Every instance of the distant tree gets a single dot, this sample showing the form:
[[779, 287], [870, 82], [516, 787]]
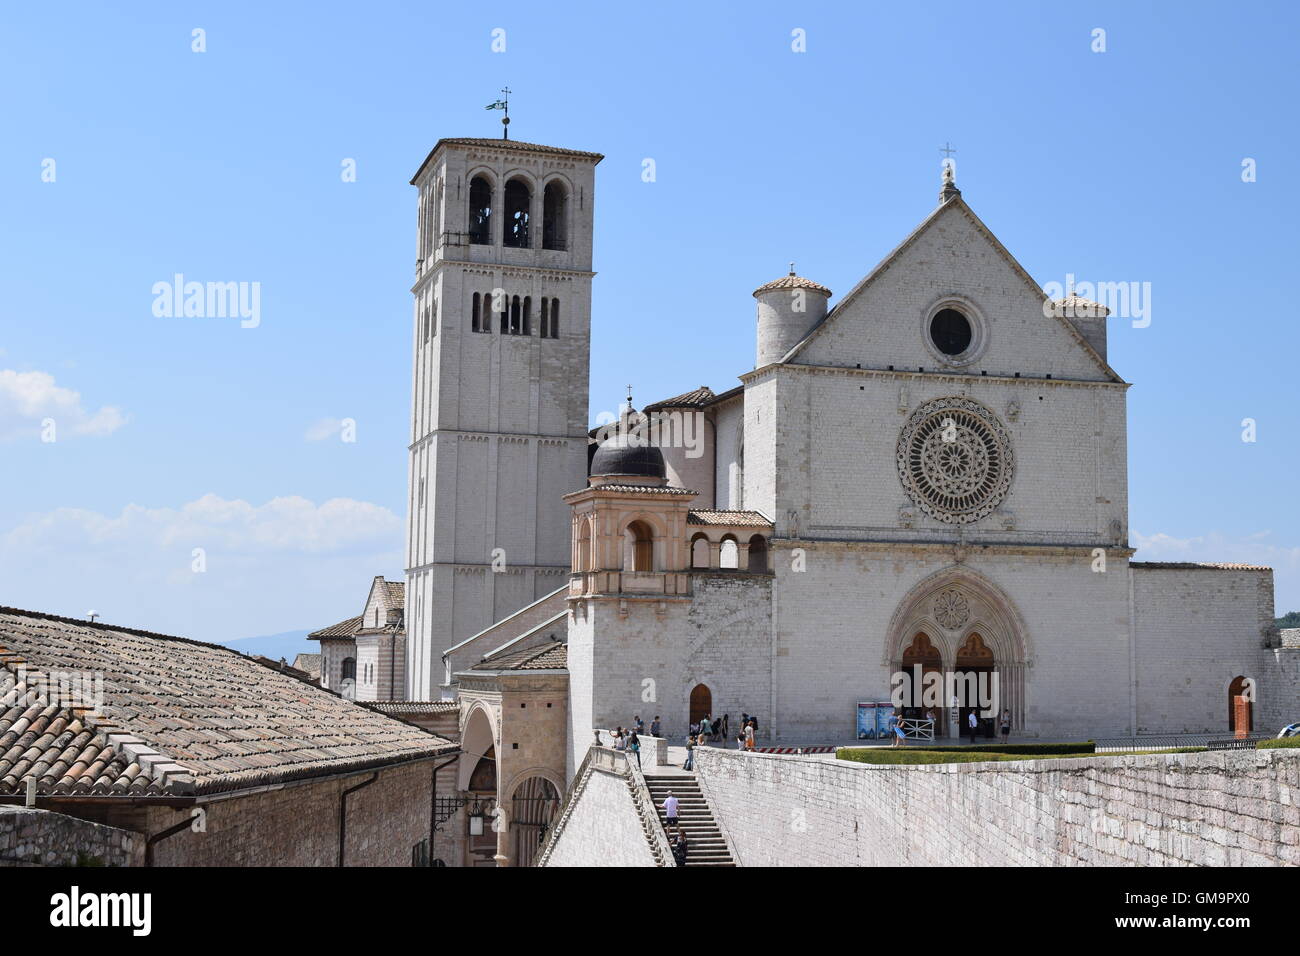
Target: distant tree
[[1291, 619]]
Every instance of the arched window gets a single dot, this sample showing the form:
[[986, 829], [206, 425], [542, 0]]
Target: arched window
[[476, 323], [349, 668], [758, 553], [515, 315], [638, 547], [480, 211], [699, 551], [553, 326], [555, 202], [528, 315], [582, 560], [518, 199], [730, 553]]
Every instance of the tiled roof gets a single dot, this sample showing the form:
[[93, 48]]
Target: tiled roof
[[171, 716], [311, 663], [398, 707], [512, 145], [281, 665], [1073, 306], [748, 519], [645, 489], [547, 657], [792, 281], [694, 399], [396, 593], [342, 629], [1195, 565]]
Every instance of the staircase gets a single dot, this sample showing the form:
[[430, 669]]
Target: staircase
[[705, 845]]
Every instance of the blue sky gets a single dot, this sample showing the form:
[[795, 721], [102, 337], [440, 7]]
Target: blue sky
[[225, 165]]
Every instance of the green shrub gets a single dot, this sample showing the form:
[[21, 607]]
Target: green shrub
[[912, 755], [1278, 742], [1086, 747]]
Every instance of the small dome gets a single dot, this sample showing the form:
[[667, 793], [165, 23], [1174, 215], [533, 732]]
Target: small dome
[[792, 281], [615, 456]]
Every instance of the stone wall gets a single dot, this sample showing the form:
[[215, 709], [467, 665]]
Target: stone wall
[[34, 837], [1195, 629], [600, 825], [1226, 808], [644, 658], [299, 825]]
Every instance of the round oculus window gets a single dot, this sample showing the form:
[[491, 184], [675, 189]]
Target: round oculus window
[[955, 460], [950, 331]]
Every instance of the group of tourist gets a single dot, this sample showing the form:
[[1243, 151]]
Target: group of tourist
[[628, 740], [709, 729], [971, 729]]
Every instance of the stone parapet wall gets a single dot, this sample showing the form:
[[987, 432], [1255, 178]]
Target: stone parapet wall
[[1225, 808]]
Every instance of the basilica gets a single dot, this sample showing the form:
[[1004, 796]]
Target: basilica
[[925, 474]]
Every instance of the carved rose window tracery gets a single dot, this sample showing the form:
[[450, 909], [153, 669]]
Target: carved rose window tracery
[[955, 460], [951, 609]]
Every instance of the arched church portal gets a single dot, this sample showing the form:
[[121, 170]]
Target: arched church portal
[[701, 703], [961, 623], [533, 809]]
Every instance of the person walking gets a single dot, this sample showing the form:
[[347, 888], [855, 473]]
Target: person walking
[[726, 728], [749, 736], [670, 813], [972, 723], [896, 725], [634, 746], [679, 849], [1005, 728], [690, 754], [638, 724], [656, 729]]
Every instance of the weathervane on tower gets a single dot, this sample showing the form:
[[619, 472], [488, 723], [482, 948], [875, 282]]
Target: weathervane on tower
[[503, 104]]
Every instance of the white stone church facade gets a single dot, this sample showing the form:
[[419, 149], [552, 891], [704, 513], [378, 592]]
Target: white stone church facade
[[931, 474]]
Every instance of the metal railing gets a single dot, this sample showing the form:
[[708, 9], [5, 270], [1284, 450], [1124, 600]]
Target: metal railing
[[1175, 741], [918, 729]]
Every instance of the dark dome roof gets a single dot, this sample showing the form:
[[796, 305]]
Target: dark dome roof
[[615, 456]]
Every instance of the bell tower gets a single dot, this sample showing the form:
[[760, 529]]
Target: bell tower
[[501, 344]]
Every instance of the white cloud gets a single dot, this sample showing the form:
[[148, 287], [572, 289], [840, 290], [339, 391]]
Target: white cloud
[[323, 429], [279, 566], [28, 398], [1257, 548]]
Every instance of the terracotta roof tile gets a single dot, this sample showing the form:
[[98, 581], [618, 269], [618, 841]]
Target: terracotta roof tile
[[342, 629], [645, 489], [748, 519], [172, 716], [547, 657], [697, 398], [399, 707], [792, 281], [1195, 565]]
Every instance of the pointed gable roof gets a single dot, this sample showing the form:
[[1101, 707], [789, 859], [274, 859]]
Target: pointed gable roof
[[954, 205]]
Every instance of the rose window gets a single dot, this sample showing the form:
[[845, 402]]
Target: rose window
[[955, 460]]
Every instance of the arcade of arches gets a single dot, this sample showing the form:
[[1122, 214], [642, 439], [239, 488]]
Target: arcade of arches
[[511, 770]]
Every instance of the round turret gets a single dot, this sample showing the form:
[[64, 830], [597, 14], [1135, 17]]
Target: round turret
[[788, 309]]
